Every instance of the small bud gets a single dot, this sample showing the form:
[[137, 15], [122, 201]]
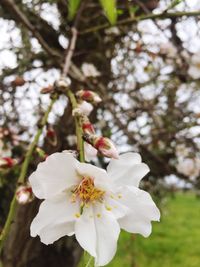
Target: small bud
[[7, 162], [89, 96], [47, 90], [87, 126], [24, 194], [18, 81], [63, 83], [83, 108], [103, 144], [51, 136]]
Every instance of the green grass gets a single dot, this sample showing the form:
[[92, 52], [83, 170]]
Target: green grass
[[174, 242]]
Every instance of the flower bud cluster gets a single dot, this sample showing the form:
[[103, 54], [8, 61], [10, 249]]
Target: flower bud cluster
[[99, 143]]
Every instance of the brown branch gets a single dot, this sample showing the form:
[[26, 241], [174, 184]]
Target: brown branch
[[163, 15], [70, 51]]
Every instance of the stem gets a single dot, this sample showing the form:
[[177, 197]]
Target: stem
[[79, 131], [22, 175]]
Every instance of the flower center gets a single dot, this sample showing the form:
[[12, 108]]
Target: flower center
[[87, 192]]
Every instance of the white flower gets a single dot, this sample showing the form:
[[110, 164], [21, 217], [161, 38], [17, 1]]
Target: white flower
[[90, 152], [89, 70], [91, 203], [84, 108], [194, 69]]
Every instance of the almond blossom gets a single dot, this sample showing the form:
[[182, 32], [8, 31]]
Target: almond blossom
[[84, 108], [91, 203]]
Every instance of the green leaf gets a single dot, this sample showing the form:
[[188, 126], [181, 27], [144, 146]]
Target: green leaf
[[72, 7], [109, 7]]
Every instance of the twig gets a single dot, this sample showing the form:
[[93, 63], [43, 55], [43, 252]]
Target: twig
[[23, 174], [70, 51], [68, 62], [79, 131], [163, 15]]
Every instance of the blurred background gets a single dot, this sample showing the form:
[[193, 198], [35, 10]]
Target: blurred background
[[146, 68]]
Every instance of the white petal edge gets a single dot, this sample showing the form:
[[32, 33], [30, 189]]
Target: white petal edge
[[52, 233], [143, 211], [54, 175], [52, 212]]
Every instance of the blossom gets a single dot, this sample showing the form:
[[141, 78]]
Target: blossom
[[84, 108], [91, 203], [89, 70], [194, 69]]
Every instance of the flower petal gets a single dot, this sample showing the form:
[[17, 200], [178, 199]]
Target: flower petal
[[118, 209], [85, 231], [52, 212], [143, 211], [54, 175], [127, 170], [52, 233], [107, 233]]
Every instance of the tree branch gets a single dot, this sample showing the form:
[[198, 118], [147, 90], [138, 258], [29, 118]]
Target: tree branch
[[163, 15]]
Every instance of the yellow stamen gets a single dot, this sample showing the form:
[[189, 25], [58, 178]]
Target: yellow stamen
[[87, 192]]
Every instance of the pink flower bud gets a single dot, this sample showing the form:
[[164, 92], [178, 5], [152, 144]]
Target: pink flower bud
[[24, 194], [103, 144], [89, 96], [106, 147], [7, 162], [88, 128]]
